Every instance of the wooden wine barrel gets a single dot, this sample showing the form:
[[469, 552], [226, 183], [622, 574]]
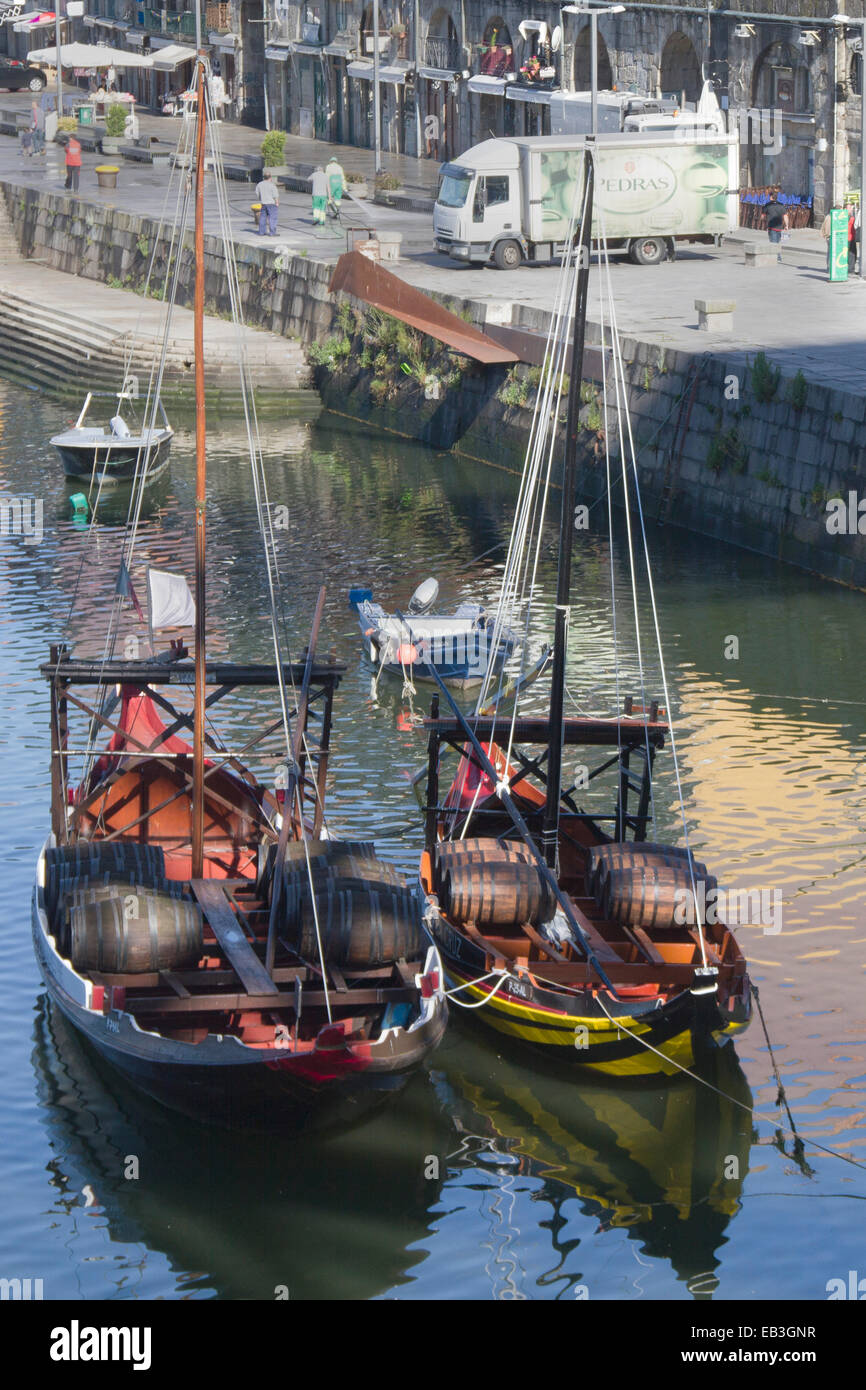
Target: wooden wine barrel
[[345, 865], [361, 925], [90, 890], [628, 856], [93, 858], [477, 851], [164, 933], [651, 896], [320, 851], [298, 890], [502, 894]]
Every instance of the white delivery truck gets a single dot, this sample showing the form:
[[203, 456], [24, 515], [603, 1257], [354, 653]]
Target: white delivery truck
[[511, 200], [571, 112]]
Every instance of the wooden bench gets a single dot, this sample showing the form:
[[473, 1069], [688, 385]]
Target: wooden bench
[[223, 922], [716, 315]]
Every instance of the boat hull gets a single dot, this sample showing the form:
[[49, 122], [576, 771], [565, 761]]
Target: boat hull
[[645, 1037], [113, 462], [222, 1081]]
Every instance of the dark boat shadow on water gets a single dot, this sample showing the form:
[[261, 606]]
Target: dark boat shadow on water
[[664, 1160], [238, 1216], [352, 1215]]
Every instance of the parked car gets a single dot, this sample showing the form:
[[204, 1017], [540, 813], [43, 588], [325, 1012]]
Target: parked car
[[15, 75]]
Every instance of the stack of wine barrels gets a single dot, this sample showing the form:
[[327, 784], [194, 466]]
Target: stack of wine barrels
[[113, 909], [650, 885], [68, 866], [345, 898], [492, 885]]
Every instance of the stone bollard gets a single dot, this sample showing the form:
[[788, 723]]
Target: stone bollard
[[758, 253], [716, 315]]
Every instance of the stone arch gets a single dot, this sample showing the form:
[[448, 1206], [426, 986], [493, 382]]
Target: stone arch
[[583, 62], [442, 26], [497, 48], [680, 69], [781, 80]]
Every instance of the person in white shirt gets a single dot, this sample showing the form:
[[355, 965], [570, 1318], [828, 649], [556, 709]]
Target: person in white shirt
[[267, 195]]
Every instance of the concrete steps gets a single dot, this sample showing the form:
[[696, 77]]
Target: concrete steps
[[9, 250], [45, 345]]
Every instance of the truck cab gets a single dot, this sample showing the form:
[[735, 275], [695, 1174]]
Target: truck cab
[[477, 215]]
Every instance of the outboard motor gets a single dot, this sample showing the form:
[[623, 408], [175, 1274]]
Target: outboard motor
[[423, 598]]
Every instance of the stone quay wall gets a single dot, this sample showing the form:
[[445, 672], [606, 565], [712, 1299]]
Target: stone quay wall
[[726, 451]]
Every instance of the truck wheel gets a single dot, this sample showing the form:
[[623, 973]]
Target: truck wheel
[[507, 255], [648, 250]]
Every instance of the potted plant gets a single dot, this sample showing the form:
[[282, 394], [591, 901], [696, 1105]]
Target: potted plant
[[115, 125], [106, 175], [357, 183], [274, 152]]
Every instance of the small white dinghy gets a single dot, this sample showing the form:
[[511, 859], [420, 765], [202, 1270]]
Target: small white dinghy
[[92, 453], [459, 645]]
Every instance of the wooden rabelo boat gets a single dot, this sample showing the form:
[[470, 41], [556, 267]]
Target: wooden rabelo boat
[[564, 928], [202, 932]]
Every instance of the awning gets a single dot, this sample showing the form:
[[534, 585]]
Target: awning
[[89, 55], [482, 83], [540, 96], [171, 55], [100, 22], [277, 54], [225, 42], [339, 47], [36, 19], [306, 50], [365, 72], [438, 74], [135, 38]]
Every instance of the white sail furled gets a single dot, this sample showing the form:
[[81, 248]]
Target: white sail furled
[[169, 600]]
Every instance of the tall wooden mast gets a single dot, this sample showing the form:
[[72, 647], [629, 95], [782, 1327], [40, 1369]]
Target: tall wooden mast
[[566, 526], [200, 492]]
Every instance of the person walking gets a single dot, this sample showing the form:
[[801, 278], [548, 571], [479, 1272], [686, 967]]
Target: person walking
[[267, 195], [73, 163], [336, 181], [38, 128], [777, 223], [852, 241], [320, 190], [25, 135]]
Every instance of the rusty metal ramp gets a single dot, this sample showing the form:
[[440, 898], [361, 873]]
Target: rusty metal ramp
[[357, 275]]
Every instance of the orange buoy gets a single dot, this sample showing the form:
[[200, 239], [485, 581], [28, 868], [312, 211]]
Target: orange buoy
[[407, 654]]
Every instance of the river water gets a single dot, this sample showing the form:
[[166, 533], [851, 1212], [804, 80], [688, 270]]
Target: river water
[[490, 1176]]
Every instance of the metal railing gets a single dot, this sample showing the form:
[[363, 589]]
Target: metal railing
[[444, 54]]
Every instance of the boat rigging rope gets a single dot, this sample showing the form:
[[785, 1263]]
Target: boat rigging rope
[[502, 974], [620, 377], [695, 1076]]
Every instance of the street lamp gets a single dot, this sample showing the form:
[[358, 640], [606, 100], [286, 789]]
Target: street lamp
[[861, 24], [593, 67], [377, 112]]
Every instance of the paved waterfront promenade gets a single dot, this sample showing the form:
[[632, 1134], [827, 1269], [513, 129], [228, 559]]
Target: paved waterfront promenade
[[791, 311]]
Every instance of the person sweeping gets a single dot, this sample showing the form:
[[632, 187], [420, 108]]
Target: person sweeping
[[319, 185]]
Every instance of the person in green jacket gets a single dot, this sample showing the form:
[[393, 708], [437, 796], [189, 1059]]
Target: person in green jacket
[[336, 180]]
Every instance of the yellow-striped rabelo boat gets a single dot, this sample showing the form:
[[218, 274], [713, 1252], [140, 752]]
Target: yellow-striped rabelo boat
[[562, 926]]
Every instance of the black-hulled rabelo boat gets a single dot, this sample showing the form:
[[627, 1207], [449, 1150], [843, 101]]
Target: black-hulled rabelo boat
[[207, 935], [563, 927]]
